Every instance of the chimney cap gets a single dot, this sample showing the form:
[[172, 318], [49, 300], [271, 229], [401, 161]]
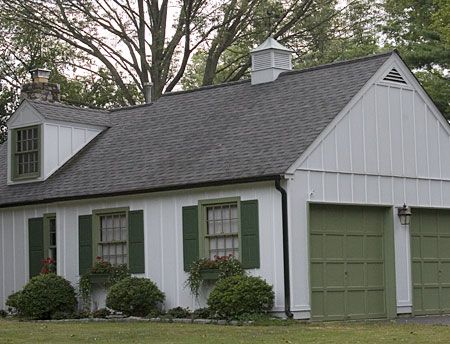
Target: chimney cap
[[40, 74], [271, 43]]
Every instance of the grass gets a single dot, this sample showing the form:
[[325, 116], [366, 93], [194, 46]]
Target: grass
[[12, 331]]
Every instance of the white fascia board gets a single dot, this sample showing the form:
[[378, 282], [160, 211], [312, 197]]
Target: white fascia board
[[393, 61]]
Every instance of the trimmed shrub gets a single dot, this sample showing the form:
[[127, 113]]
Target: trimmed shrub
[[202, 313], [179, 313], [13, 302], [101, 313], [134, 296], [235, 296], [43, 297]]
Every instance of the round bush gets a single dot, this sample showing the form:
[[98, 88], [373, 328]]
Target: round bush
[[240, 295], [134, 296], [44, 296]]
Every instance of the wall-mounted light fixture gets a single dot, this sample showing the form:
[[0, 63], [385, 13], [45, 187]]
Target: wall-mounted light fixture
[[404, 213]]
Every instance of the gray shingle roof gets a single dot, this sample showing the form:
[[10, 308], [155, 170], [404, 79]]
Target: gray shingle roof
[[67, 113], [222, 133]]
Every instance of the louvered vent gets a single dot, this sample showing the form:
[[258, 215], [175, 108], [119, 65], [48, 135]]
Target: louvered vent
[[394, 76], [262, 61], [282, 60]]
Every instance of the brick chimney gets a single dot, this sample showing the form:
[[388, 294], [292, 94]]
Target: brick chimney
[[40, 88]]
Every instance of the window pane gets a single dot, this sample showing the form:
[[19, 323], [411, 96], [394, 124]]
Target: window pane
[[113, 231]]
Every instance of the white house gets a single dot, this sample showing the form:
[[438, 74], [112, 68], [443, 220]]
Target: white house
[[300, 174]]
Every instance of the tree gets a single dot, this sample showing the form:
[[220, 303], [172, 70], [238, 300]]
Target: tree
[[133, 41], [421, 32]]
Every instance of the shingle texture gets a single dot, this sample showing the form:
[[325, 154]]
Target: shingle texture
[[212, 134], [67, 113]]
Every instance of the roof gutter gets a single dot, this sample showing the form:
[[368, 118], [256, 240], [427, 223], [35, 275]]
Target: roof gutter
[[142, 191], [287, 280]]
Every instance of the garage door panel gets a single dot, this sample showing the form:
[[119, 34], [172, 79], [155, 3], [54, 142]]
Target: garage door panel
[[355, 275], [357, 306], [430, 297], [430, 273], [375, 275], [347, 262], [373, 220], [316, 246], [334, 247], [374, 247], [428, 222], [417, 273], [444, 245], [317, 298], [445, 273], [355, 247], [335, 275], [415, 247], [430, 246], [376, 302], [335, 304], [445, 299]]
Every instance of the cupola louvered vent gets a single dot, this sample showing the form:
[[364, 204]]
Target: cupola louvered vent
[[394, 76], [262, 61]]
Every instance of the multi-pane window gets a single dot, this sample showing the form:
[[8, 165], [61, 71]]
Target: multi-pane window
[[52, 238], [222, 234], [26, 152], [112, 246]]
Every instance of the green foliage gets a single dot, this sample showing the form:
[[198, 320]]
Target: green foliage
[[3, 313], [202, 313], [101, 267], [134, 296], [420, 30], [101, 313], [43, 297], [179, 313], [13, 302], [226, 266], [62, 315], [238, 296]]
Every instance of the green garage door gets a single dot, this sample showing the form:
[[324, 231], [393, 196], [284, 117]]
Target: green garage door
[[348, 262], [430, 246]]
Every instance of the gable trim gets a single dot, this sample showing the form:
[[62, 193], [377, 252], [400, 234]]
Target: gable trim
[[412, 83]]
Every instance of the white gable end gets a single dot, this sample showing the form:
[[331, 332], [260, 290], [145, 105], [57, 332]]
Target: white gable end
[[390, 130], [24, 116]]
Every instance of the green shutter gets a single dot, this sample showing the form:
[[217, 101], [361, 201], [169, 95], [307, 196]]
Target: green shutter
[[190, 236], [35, 245], [136, 241], [250, 234], [85, 243]]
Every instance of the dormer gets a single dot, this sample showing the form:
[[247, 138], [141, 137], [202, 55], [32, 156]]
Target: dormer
[[44, 135]]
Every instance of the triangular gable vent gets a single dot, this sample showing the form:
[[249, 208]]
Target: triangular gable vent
[[394, 76]]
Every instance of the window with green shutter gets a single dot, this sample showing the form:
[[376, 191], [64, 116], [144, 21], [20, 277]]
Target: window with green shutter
[[222, 227], [114, 235], [25, 153]]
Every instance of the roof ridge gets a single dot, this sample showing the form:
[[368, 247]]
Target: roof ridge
[[202, 88], [58, 104], [338, 63]]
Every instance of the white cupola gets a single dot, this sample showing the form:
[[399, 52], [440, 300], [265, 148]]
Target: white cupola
[[269, 60]]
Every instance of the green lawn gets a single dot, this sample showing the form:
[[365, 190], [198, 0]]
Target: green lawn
[[73, 332]]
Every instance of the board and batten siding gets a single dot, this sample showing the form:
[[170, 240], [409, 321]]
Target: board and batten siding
[[162, 232], [388, 149], [63, 141]]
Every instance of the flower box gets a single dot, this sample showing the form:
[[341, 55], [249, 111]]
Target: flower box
[[209, 274], [99, 278]]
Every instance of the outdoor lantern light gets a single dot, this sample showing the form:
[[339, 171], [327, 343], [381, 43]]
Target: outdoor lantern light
[[404, 213]]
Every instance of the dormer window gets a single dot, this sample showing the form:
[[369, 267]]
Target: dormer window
[[26, 153]]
